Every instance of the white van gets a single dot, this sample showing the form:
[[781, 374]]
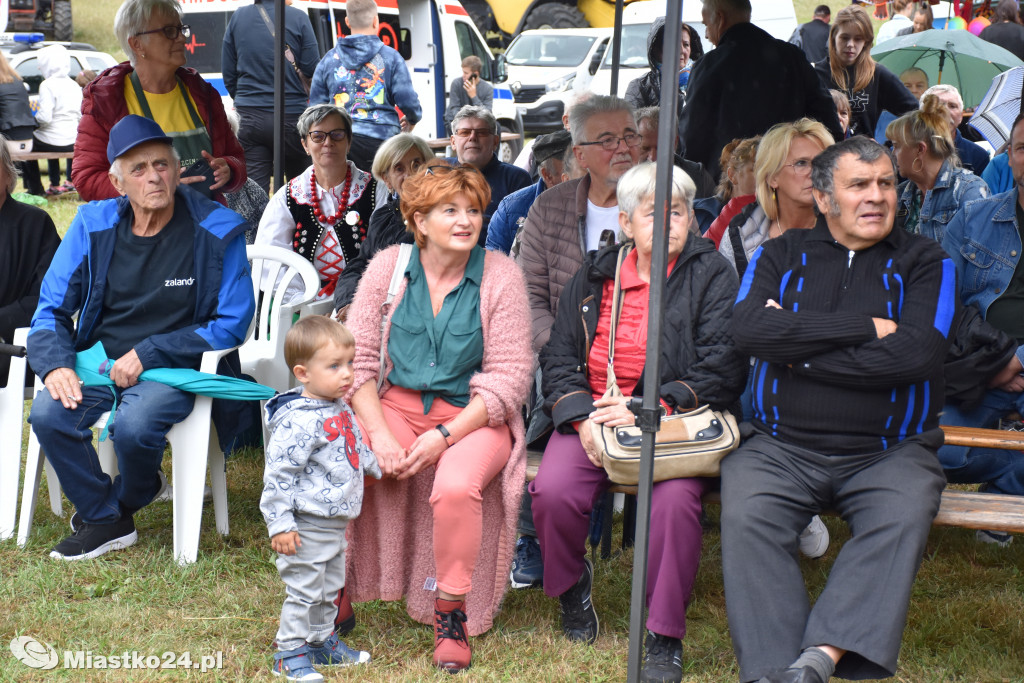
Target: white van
[[544, 67], [433, 37], [777, 17]]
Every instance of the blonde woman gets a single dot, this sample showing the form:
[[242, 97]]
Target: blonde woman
[[16, 120], [782, 183], [869, 87], [937, 185]]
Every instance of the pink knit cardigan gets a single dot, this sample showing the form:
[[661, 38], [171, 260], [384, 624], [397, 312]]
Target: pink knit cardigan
[[391, 553]]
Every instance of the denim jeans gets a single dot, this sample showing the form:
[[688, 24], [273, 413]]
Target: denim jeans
[[1002, 471], [144, 415]]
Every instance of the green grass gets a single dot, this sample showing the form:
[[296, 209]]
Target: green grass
[[965, 621]]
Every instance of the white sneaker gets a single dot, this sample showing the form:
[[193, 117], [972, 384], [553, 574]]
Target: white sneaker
[[166, 493], [814, 539], [999, 538]]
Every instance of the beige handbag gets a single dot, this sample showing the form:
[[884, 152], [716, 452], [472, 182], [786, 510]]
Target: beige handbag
[[687, 445]]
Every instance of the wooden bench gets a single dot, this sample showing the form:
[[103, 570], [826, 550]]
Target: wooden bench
[[42, 156], [967, 509]]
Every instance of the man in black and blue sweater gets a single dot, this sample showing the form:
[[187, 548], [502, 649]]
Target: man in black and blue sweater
[[849, 324]]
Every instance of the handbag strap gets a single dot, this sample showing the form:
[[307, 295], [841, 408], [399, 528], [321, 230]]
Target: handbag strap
[[404, 254], [610, 380], [288, 55], [266, 18]]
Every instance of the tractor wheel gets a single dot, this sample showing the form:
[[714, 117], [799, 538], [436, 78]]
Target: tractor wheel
[[62, 20], [555, 15]]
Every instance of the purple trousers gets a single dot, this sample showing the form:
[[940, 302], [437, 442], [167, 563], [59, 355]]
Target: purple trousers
[[565, 491]]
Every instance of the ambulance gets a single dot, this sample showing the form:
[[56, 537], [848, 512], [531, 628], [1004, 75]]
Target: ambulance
[[433, 36]]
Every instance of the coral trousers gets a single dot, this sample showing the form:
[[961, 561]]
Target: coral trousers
[[461, 474]]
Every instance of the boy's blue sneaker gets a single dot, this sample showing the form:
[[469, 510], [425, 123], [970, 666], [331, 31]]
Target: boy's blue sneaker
[[333, 652], [296, 665]]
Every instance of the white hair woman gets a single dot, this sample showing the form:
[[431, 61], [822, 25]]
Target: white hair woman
[[156, 84], [397, 159], [699, 365]]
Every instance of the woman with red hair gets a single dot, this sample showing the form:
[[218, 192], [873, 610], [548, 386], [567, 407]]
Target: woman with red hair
[[442, 414]]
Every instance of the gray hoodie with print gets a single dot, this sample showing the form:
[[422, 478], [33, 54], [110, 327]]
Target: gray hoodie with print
[[315, 461]]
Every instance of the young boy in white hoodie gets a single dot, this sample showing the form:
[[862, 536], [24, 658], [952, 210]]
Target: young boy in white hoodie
[[312, 487], [60, 110]]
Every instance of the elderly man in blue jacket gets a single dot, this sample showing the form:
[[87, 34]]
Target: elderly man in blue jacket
[[159, 276]]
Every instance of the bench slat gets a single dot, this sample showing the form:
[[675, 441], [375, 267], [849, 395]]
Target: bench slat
[[983, 438], [42, 156], [966, 509]]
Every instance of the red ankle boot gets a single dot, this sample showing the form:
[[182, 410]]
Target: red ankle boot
[[451, 647], [345, 620]]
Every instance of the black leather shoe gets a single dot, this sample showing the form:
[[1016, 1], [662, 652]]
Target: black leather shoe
[[802, 675]]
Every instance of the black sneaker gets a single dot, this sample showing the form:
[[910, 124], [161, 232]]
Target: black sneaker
[[93, 540], [527, 567], [663, 659], [579, 620]]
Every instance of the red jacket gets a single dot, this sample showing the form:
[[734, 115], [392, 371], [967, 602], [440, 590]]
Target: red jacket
[[103, 105]]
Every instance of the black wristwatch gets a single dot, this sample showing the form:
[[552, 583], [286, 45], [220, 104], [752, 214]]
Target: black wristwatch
[[445, 433]]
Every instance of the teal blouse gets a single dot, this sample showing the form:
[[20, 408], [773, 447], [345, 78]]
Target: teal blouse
[[437, 355]]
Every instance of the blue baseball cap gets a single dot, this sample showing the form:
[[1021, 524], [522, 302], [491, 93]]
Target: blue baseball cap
[[132, 131]]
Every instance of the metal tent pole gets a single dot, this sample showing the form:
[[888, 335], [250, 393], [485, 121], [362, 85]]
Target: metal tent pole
[[616, 47], [279, 6], [649, 412]]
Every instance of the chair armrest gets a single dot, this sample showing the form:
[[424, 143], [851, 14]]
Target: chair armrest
[[324, 307], [212, 358]]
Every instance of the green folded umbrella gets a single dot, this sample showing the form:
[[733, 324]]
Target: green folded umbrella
[[958, 58], [93, 368]]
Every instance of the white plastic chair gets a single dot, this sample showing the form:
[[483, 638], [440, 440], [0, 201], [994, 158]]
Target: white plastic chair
[[194, 446], [262, 354], [12, 422]]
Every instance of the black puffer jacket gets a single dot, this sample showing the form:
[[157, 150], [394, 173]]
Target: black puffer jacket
[[697, 352], [386, 227], [645, 91]]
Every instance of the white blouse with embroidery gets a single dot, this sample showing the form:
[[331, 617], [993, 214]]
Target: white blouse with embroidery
[[277, 227]]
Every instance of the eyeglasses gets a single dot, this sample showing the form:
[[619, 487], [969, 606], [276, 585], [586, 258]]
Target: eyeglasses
[[319, 136], [171, 32], [441, 169], [480, 132], [800, 166], [610, 143]]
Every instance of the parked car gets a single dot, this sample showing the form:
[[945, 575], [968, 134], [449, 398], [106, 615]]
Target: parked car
[[21, 51], [545, 65]]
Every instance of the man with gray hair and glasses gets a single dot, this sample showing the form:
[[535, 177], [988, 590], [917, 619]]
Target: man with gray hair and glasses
[[476, 137], [849, 325]]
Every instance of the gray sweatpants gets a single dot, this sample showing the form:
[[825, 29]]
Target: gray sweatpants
[[312, 578], [770, 490]]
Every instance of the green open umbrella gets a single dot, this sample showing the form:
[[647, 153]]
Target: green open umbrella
[[93, 368], [956, 57]]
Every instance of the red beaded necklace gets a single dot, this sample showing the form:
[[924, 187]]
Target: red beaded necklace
[[342, 205]]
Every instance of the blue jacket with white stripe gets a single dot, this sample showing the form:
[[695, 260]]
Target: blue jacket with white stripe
[[77, 278]]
